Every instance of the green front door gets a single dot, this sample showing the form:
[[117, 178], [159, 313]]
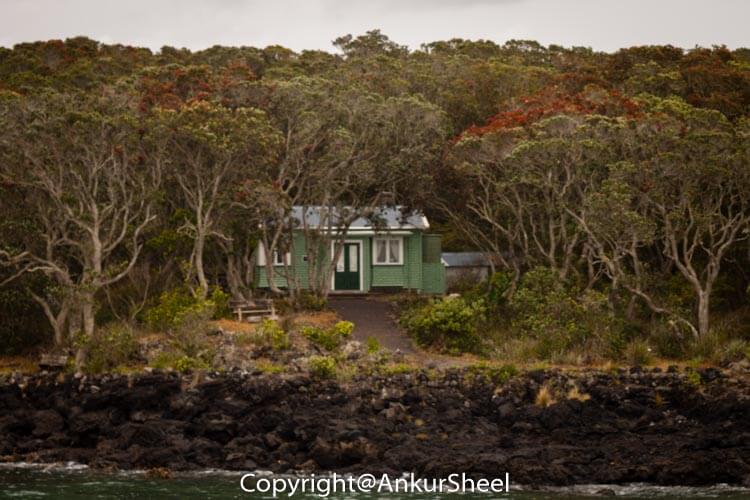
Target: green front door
[[348, 268]]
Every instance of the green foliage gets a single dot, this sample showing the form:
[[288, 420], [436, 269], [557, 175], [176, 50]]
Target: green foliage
[[114, 345], [322, 366], [177, 304], [499, 286], [172, 305], [559, 319], [329, 338], [373, 346], [307, 301], [220, 300], [270, 333], [694, 378], [497, 374], [177, 362], [449, 324]]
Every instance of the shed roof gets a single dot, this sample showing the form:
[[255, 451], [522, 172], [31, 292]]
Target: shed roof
[[466, 259], [382, 218]]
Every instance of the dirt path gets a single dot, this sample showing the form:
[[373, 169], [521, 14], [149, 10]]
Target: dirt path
[[373, 318], [376, 317]]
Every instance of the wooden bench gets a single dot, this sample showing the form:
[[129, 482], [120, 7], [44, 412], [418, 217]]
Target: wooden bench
[[53, 361], [253, 311]]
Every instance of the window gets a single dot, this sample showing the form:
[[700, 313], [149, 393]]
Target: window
[[278, 257], [388, 251]]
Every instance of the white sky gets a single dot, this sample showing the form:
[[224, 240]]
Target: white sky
[[312, 24]]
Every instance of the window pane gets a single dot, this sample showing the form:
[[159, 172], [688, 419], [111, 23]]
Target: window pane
[[380, 251], [340, 262], [394, 251], [353, 256]]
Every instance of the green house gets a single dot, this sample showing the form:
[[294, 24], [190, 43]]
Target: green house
[[390, 251]]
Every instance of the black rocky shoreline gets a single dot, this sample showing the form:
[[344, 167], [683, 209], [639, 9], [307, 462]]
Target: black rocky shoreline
[[593, 427]]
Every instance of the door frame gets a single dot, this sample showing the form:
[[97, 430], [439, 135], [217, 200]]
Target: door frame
[[360, 244]]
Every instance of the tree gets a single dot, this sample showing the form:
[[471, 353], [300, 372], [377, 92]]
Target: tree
[[211, 150], [88, 187]]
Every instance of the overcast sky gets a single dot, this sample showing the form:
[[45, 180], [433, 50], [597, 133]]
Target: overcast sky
[[312, 24]]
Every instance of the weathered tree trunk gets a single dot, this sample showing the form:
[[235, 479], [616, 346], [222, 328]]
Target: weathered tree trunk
[[704, 298], [88, 311], [200, 272]]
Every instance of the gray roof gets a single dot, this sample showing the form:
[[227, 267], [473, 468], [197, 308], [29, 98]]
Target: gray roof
[[466, 259], [382, 218]]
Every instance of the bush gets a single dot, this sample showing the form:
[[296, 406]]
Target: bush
[[322, 366], [734, 350], [175, 304], [638, 353], [271, 334], [373, 346], [449, 324], [220, 300], [114, 345], [190, 333], [177, 362], [561, 319], [172, 304], [307, 301], [329, 339]]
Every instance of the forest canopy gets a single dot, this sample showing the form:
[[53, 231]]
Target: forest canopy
[[126, 174]]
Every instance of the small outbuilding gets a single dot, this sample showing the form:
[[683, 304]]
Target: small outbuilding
[[463, 268]]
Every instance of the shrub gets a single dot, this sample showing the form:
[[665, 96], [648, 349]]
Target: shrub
[[638, 353], [220, 300], [734, 350], [707, 347], [499, 285], [449, 324], [330, 338], [267, 366], [186, 363], [560, 319], [270, 333], [373, 346], [189, 335], [307, 301], [175, 304], [172, 304], [322, 366], [114, 345]]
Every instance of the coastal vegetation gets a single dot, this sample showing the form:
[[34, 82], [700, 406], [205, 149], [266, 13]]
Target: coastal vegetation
[[611, 190]]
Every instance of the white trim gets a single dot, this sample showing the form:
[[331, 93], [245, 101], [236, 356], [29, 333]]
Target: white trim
[[361, 265], [386, 232], [400, 250]]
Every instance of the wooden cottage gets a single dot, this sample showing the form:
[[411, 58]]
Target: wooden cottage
[[390, 251]]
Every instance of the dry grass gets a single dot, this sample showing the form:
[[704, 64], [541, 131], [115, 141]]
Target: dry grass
[[545, 397], [323, 319], [575, 393], [23, 364], [229, 325]]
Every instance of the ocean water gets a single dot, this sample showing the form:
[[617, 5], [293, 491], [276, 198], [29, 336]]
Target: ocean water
[[76, 482]]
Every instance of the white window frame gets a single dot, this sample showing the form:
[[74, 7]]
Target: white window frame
[[276, 261], [388, 239]]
